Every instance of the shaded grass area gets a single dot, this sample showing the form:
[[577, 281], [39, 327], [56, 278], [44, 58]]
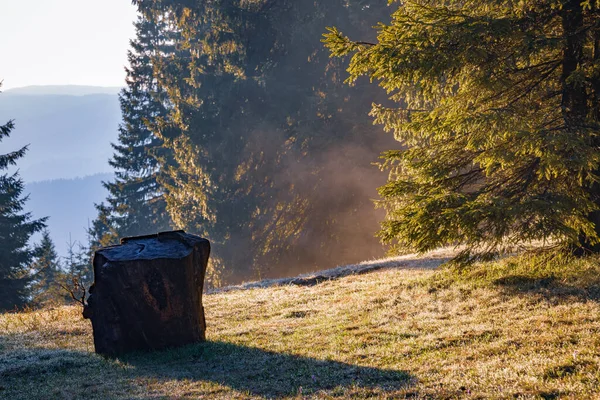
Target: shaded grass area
[[216, 368], [553, 276], [527, 327]]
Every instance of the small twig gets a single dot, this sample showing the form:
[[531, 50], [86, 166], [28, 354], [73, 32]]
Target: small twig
[[76, 287]]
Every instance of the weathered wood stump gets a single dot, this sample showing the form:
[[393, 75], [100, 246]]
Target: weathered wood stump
[[147, 293]]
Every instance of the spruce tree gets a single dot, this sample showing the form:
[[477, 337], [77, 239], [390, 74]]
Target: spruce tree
[[16, 228], [256, 118], [497, 107], [47, 274], [136, 204]]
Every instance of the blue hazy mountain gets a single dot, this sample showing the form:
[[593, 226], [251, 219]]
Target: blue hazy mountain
[[70, 205], [68, 129]]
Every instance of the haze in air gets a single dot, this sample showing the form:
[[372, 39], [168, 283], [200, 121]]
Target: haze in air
[[381, 199]]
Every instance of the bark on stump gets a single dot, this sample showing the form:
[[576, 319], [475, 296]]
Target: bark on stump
[[147, 293]]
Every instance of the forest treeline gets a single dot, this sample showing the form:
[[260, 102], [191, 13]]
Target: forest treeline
[[495, 107], [237, 126], [240, 127]]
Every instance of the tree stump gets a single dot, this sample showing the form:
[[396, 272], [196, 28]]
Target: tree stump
[[147, 293]]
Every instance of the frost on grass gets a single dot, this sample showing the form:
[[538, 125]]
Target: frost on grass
[[428, 261], [35, 362]]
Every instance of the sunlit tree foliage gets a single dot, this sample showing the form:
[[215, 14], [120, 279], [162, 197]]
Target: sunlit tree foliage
[[497, 104], [266, 137], [136, 203]]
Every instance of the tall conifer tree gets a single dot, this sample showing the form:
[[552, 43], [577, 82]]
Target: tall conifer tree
[[499, 112], [256, 121], [16, 228], [136, 202]]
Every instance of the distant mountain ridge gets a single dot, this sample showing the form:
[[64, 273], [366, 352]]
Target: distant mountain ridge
[[69, 130], [69, 135], [67, 90], [70, 205]]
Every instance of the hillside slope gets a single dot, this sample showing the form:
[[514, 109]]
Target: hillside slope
[[521, 328]]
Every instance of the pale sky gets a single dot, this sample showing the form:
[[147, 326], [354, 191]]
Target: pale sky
[[64, 42]]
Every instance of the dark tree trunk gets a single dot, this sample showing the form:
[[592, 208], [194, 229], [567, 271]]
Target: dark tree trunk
[[595, 117], [147, 293], [595, 109], [575, 99]]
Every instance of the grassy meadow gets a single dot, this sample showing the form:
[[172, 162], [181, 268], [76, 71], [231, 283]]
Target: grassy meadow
[[521, 328]]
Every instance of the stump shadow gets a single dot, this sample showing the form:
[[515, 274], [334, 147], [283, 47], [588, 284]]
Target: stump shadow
[[548, 288], [36, 373], [260, 372]]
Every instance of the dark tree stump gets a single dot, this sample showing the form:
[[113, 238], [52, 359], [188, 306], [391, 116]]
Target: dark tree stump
[[147, 293]]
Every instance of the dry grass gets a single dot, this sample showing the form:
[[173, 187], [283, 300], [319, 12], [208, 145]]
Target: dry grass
[[517, 329]]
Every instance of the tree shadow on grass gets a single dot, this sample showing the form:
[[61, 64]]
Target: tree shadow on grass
[[55, 373], [260, 372], [549, 288]]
